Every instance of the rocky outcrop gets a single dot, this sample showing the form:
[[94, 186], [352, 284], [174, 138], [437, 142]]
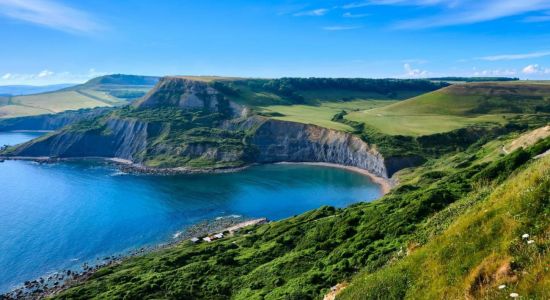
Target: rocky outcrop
[[237, 141], [280, 141], [188, 93], [271, 141]]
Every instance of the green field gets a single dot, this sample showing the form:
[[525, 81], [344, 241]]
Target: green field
[[444, 233], [104, 91], [456, 107], [322, 114]]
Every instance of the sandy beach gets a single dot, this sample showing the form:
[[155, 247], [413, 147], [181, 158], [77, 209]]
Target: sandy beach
[[384, 183]]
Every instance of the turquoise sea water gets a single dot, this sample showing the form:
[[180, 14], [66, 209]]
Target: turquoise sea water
[[57, 216]]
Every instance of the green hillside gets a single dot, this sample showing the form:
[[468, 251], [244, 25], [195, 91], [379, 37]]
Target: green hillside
[[109, 90], [317, 100], [478, 198], [481, 254], [481, 186], [458, 106]]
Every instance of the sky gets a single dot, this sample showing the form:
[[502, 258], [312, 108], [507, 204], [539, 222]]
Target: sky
[[60, 41]]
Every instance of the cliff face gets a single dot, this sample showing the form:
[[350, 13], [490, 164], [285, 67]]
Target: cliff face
[[119, 138], [188, 94], [188, 123], [279, 141]]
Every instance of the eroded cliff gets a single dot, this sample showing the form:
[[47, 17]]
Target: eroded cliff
[[188, 123]]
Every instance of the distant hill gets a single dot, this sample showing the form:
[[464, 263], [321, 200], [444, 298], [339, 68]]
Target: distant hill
[[457, 106], [103, 91], [120, 80], [473, 79], [16, 90]]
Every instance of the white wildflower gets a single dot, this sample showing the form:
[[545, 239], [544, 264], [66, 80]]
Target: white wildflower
[[502, 286], [530, 242], [514, 295], [525, 236]]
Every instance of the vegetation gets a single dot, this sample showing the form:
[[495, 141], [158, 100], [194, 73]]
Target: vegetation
[[322, 114], [104, 91], [457, 106], [312, 91], [178, 138], [469, 186], [473, 79], [301, 257], [481, 249]]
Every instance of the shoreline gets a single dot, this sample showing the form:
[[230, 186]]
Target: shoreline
[[126, 165], [59, 281], [385, 184], [203, 228]]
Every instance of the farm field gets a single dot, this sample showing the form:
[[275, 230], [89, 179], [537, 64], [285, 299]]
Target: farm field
[[321, 115], [104, 91], [455, 107]]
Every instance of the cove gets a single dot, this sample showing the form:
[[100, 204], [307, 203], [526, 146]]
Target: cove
[[58, 216]]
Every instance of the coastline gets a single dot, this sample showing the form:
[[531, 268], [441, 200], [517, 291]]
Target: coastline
[[69, 278], [126, 165], [56, 282], [385, 184]]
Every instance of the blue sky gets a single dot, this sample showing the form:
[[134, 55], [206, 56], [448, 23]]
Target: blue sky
[[57, 41]]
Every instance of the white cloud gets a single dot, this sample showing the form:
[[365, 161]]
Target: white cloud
[[460, 12], [45, 73], [49, 14], [312, 13], [535, 69], [340, 28], [397, 2], [49, 77], [515, 56], [354, 16], [497, 72], [531, 69], [411, 72]]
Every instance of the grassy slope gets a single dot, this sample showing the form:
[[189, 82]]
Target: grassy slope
[[301, 257], [322, 114], [103, 91], [479, 251], [455, 107]]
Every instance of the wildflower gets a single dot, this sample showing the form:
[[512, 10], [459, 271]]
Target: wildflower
[[514, 295], [502, 286], [530, 242], [525, 236]]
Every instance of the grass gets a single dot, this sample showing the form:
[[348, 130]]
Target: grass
[[479, 251], [110, 90], [54, 102], [59, 101], [12, 111], [321, 115], [302, 256], [418, 125], [455, 107]]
